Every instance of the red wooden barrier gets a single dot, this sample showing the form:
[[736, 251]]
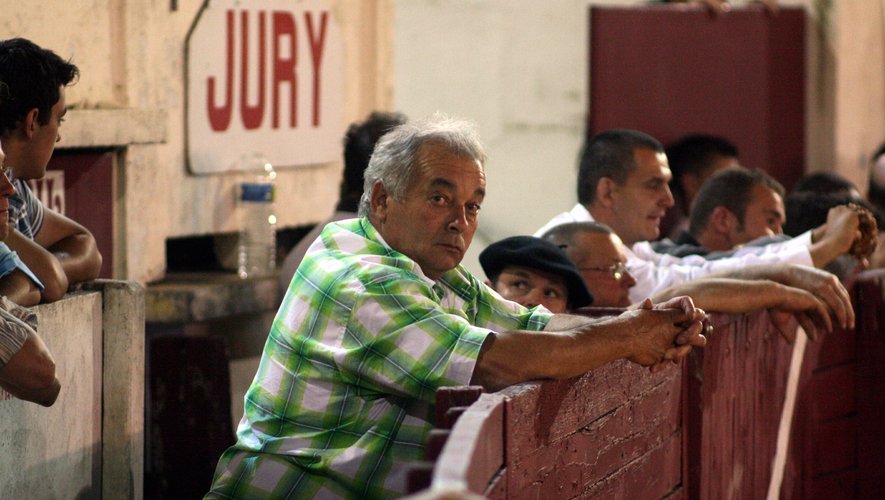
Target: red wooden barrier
[[708, 430], [839, 427], [734, 398]]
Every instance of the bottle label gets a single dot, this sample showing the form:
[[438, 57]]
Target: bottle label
[[256, 192]]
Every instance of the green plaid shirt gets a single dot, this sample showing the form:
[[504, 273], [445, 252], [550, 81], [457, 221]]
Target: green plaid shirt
[[343, 397]]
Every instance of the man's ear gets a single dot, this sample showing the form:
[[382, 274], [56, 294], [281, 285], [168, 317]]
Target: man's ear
[[605, 190], [30, 125], [722, 220], [379, 202]]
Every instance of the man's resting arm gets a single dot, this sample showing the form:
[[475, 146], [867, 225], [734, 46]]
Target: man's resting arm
[[572, 345]]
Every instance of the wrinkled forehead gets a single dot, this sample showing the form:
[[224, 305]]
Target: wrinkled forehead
[[648, 164], [598, 247], [439, 164], [763, 194], [438, 151]]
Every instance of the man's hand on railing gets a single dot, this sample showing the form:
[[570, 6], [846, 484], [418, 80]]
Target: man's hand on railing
[[823, 285], [811, 313], [826, 287], [654, 339], [572, 345]]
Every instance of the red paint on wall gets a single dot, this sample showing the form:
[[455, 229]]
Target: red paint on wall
[[674, 71], [89, 188]]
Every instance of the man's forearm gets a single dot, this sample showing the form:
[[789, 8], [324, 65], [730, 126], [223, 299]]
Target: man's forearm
[[777, 273], [44, 396], [30, 373], [78, 256], [825, 251], [725, 295], [42, 263], [518, 356], [19, 288]]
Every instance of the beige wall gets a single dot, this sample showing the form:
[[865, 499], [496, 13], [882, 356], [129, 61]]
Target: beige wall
[[518, 68], [131, 92]]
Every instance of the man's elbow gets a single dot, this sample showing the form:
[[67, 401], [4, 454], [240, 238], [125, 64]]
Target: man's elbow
[[55, 289], [94, 266], [42, 387], [48, 394], [92, 258]]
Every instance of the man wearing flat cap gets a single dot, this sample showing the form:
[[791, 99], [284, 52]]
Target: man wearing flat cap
[[380, 314], [533, 272]]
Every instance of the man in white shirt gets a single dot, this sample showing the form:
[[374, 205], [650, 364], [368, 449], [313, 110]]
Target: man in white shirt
[[623, 183]]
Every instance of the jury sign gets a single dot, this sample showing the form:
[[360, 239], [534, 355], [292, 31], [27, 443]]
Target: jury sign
[[264, 76]]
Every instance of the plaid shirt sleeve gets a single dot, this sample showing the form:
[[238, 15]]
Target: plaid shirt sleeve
[[399, 341]]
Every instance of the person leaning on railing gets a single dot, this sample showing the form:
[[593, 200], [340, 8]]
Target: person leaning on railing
[[380, 314], [27, 370], [58, 250]]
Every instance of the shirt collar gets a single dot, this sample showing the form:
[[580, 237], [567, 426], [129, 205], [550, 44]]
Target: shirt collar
[[456, 279]]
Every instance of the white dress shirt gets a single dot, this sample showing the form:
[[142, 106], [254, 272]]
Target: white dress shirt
[[654, 271]]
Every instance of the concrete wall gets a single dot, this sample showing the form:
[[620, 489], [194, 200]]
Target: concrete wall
[[518, 68], [131, 92], [55, 452], [89, 444]]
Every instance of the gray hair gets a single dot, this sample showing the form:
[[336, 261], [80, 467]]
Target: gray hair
[[564, 234], [396, 153]]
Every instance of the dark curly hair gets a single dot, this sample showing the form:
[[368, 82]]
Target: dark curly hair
[[30, 78]]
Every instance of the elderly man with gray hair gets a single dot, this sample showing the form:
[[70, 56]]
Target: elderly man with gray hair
[[380, 314]]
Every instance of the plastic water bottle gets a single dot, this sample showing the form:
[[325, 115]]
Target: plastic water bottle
[[258, 241]]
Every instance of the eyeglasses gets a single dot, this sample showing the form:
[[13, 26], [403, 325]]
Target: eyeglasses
[[617, 271]]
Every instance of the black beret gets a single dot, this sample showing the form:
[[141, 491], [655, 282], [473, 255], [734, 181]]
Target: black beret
[[535, 253]]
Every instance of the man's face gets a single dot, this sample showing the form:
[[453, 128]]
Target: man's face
[[595, 255], [531, 287], [642, 201], [33, 164], [6, 190], [434, 223], [764, 216]]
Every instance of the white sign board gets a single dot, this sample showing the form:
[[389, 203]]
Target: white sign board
[[264, 77]]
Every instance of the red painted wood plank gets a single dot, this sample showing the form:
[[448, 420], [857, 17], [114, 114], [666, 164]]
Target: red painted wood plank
[[600, 448], [498, 487], [841, 484], [474, 452], [447, 397], [834, 390], [736, 393], [544, 413], [651, 476], [837, 348], [870, 293], [835, 446]]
